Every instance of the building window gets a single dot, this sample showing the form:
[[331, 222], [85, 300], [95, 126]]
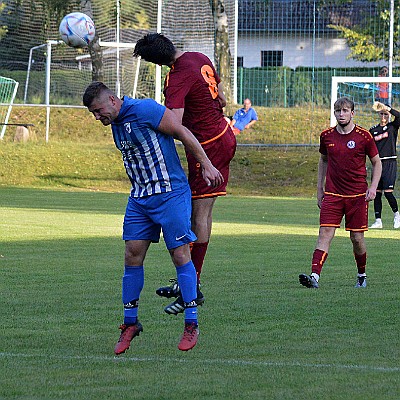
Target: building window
[[239, 61], [272, 58]]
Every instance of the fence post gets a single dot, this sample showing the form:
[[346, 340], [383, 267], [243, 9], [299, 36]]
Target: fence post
[[284, 88]]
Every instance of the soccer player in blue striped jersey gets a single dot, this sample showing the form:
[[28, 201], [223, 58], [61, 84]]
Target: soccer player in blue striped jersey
[[160, 198]]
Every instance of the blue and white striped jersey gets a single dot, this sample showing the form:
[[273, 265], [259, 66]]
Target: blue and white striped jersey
[[149, 156]]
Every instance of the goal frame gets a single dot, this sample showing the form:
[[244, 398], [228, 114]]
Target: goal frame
[[336, 80], [10, 105]]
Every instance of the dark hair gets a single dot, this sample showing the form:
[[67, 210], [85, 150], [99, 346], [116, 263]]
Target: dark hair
[[343, 101], [156, 48], [93, 91], [383, 69]]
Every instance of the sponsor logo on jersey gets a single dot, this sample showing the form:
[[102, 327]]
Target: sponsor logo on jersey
[[128, 127], [351, 144]]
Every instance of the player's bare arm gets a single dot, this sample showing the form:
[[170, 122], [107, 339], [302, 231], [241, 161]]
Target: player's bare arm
[[178, 113], [322, 167], [170, 125], [250, 124], [376, 176]]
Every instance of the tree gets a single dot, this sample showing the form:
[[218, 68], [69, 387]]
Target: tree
[[3, 29], [95, 51], [222, 52], [369, 40]]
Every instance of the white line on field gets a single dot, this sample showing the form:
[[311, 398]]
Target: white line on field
[[205, 361]]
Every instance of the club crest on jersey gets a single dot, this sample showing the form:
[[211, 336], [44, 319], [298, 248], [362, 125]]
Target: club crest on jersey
[[351, 144], [128, 127]]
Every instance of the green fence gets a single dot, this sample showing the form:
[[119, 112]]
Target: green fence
[[285, 87]]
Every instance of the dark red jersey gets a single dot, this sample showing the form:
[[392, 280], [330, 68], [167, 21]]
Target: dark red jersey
[[346, 174], [192, 84]]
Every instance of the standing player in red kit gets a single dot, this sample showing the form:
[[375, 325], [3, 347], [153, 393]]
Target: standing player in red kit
[[193, 91], [342, 189]]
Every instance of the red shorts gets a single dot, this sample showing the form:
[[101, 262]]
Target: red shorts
[[355, 210], [220, 152]]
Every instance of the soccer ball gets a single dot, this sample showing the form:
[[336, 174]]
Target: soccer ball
[[77, 30]]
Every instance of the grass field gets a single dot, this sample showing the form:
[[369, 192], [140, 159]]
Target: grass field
[[263, 336]]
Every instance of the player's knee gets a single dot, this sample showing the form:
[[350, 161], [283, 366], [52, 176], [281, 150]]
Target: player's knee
[[357, 238], [180, 255], [133, 255]]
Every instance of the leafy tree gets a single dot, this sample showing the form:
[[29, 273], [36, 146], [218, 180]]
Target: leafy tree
[[369, 40], [3, 28]]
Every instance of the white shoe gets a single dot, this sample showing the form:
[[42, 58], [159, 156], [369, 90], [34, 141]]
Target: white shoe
[[378, 224], [396, 221]]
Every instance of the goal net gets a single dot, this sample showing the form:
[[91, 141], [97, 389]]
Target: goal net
[[119, 24], [8, 91], [363, 91]]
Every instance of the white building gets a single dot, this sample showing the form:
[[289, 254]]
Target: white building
[[295, 33]]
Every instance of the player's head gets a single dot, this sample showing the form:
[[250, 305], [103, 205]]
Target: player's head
[[102, 102], [383, 71], [384, 116], [344, 111], [155, 48]]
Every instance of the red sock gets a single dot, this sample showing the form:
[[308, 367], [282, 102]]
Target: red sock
[[318, 260], [198, 254], [361, 261]]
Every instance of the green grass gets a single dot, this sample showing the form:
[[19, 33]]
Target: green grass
[[76, 165], [263, 336], [275, 125]]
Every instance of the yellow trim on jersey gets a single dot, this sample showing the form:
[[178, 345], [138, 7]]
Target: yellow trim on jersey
[[202, 196], [216, 137], [345, 195]]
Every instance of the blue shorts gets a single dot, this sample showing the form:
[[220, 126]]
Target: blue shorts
[[171, 212]]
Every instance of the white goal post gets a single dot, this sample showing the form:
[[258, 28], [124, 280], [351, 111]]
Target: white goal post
[[366, 83], [8, 91]]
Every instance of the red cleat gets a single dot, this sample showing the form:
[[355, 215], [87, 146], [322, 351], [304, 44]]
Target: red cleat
[[127, 334], [189, 337]]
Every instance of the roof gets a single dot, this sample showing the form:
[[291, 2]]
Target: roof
[[298, 15]]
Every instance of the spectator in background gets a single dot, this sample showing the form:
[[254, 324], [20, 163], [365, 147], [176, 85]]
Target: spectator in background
[[382, 94], [244, 118]]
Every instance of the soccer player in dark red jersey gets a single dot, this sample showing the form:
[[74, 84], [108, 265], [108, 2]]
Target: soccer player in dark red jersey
[[342, 189], [385, 135], [194, 92]]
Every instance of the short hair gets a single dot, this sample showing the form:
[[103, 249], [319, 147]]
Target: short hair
[[383, 69], [156, 48], [94, 91], [343, 101]]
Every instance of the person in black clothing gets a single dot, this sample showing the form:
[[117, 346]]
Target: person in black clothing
[[385, 134]]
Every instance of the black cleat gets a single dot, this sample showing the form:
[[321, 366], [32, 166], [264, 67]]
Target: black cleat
[[178, 305], [172, 290], [308, 281]]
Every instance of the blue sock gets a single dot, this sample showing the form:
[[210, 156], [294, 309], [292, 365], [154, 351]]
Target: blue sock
[[187, 281], [132, 285]]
